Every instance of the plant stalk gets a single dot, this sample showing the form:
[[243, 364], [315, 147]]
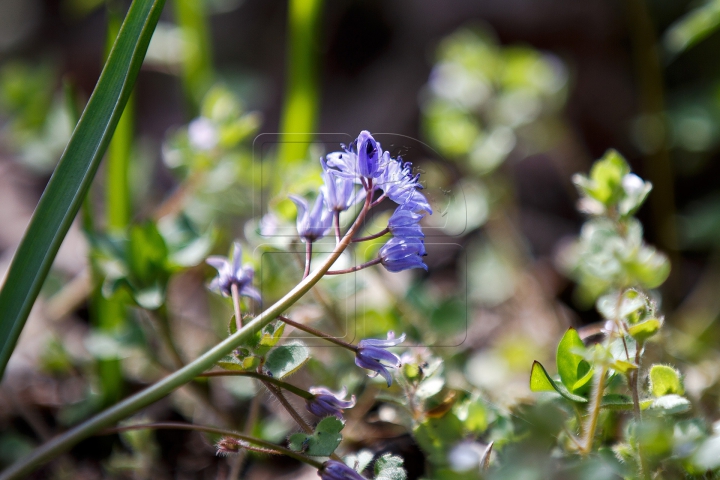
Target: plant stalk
[[265, 379], [216, 431], [591, 425], [318, 333]]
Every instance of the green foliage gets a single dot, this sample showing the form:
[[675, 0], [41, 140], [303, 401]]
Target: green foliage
[[389, 467], [575, 371], [540, 381], [611, 255], [71, 180], [644, 330], [322, 442], [693, 27], [211, 156], [436, 436], [286, 359], [665, 380], [483, 99], [39, 121], [614, 266], [139, 265]]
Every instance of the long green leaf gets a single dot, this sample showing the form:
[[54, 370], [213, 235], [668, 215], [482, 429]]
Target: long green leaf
[[65, 192]]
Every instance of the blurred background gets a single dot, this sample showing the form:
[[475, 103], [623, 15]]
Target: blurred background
[[498, 103]]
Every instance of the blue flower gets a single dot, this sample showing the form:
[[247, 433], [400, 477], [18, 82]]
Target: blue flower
[[233, 273], [326, 403], [334, 470], [371, 355], [369, 154], [402, 187], [364, 158], [404, 223], [339, 191], [312, 224], [403, 253]]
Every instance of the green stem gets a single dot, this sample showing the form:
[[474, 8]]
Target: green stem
[[381, 233], [197, 71], [356, 268], [265, 378], [117, 183], [318, 333], [596, 401], [67, 440], [300, 108], [217, 431]]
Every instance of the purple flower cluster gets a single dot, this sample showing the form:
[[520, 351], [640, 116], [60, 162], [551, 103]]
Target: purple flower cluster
[[231, 272], [372, 355], [365, 163]]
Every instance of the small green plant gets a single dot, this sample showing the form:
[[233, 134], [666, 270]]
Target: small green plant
[[601, 380]]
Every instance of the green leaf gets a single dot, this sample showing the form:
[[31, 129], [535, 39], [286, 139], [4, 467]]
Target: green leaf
[[147, 253], [616, 401], [665, 380], [671, 404], [390, 467], [286, 359], [693, 27], [234, 363], [623, 366], [71, 180], [649, 267], [540, 381], [323, 441], [270, 336], [574, 370], [605, 182], [644, 330]]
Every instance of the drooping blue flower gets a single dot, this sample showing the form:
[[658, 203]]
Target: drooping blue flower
[[371, 355], [369, 155], [312, 224], [404, 223], [363, 159], [334, 470], [328, 403], [403, 253], [231, 272], [399, 184], [339, 191]]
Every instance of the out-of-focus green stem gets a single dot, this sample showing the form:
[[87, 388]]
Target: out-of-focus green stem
[[117, 185], [109, 315], [67, 440], [197, 71], [651, 92], [299, 114]]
